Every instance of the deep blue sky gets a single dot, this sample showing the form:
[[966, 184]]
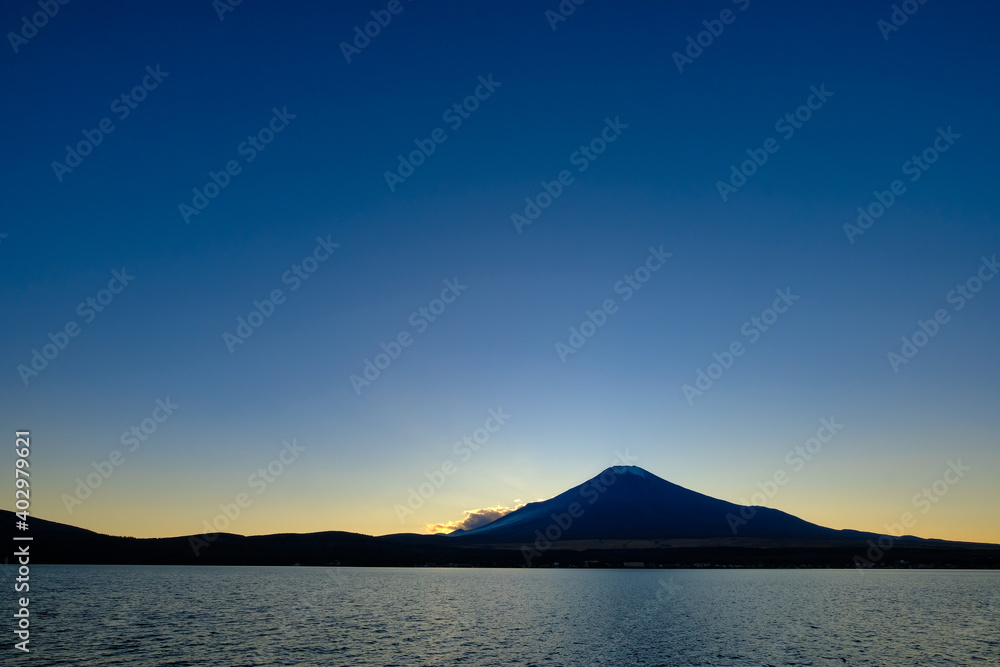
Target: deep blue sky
[[323, 176]]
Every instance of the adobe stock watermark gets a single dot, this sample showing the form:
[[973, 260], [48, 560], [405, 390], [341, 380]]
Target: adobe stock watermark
[[752, 329], [223, 7], [249, 148], [562, 12], [122, 106], [581, 158], [270, 654], [924, 500], [420, 320], [464, 448], [713, 30], [796, 459], [786, 125], [294, 276], [666, 589], [31, 25], [914, 168], [629, 284], [454, 115], [900, 14], [259, 481], [381, 18], [591, 491], [455, 636], [86, 309], [789, 638], [132, 439], [926, 329]]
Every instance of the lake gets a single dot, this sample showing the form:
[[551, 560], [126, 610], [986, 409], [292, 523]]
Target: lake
[[158, 615]]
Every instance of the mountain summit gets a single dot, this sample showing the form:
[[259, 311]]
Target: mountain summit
[[630, 503]]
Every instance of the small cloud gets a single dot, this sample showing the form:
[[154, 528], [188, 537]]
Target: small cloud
[[473, 519]]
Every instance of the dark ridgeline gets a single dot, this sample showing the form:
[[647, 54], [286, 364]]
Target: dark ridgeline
[[624, 515]]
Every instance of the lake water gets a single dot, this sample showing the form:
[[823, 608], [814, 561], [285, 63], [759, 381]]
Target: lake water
[[148, 615]]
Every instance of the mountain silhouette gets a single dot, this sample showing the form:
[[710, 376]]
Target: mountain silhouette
[[621, 517], [630, 503]]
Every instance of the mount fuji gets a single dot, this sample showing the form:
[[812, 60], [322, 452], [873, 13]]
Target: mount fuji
[[630, 503]]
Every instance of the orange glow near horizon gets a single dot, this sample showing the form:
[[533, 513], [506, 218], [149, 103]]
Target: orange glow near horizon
[[965, 524]]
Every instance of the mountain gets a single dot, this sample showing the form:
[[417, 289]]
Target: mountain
[[629, 503]]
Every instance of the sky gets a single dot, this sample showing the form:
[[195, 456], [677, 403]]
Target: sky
[[263, 272]]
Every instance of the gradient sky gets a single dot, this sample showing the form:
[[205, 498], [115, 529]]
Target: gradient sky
[[494, 347]]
